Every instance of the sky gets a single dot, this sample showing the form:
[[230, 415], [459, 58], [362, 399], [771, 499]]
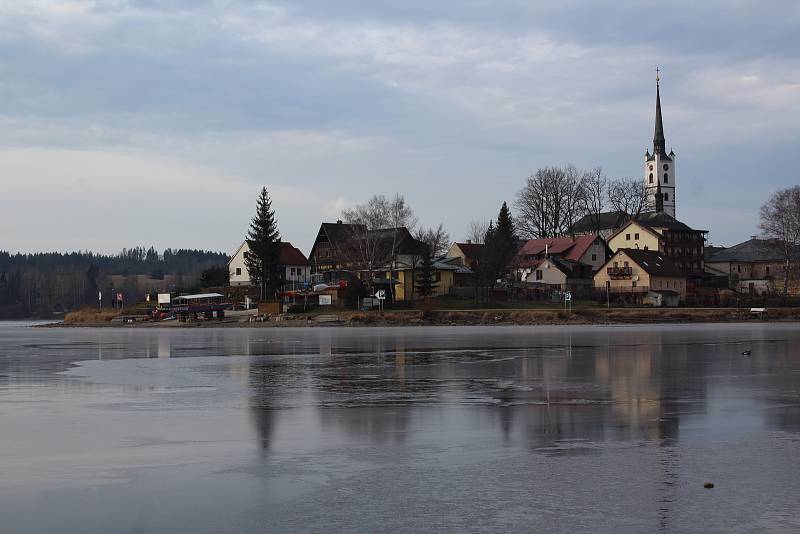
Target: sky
[[157, 122]]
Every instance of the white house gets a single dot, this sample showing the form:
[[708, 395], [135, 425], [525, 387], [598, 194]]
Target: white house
[[296, 265]]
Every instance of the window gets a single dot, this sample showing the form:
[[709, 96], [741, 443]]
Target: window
[[627, 237], [633, 284], [594, 257], [616, 264], [666, 196], [625, 264], [666, 167], [738, 268], [238, 271], [666, 178], [291, 271], [767, 269], [636, 235], [538, 274], [651, 177]]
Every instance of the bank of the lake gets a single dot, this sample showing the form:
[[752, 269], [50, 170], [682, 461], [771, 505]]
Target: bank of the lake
[[504, 316]]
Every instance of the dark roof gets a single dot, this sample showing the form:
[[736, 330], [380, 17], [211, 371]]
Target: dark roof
[[472, 251], [338, 232], [653, 263], [710, 250], [290, 255], [660, 219], [607, 220], [571, 268], [753, 250]]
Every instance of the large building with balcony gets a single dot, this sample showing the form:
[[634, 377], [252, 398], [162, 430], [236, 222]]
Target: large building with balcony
[[642, 277], [660, 232]]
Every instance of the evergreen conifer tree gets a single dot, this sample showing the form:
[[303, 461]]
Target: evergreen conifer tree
[[263, 260], [426, 283]]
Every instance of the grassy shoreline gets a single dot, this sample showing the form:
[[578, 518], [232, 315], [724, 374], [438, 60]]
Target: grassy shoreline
[[499, 316]]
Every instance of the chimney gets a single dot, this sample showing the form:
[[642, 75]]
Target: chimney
[[469, 241], [339, 221]]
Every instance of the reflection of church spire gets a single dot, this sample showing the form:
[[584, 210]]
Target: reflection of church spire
[[659, 143]]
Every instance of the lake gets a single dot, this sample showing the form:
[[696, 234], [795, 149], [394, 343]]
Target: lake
[[442, 429]]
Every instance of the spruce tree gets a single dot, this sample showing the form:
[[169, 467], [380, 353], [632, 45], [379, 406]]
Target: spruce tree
[[263, 260], [426, 283]]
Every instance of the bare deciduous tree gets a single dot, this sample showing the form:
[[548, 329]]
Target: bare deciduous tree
[[780, 219], [477, 231], [436, 238], [628, 195], [378, 213], [550, 202], [594, 194]]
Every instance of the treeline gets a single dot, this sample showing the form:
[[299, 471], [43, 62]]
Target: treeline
[[39, 284]]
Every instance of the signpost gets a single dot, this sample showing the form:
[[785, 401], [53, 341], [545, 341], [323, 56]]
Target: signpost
[[325, 300], [567, 300], [100, 299], [381, 296]]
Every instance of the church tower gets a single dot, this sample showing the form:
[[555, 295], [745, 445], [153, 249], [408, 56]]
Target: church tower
[[659, 167]]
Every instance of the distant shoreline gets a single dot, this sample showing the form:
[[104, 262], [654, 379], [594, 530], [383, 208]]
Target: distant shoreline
[[585, 316]]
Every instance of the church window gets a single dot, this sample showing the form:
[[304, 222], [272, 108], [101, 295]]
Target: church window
[[666, 167], [666, 178], [666, 196], [651, 177]]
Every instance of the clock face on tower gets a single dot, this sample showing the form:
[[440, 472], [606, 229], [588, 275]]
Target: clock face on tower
[[666, 167], [651, 167]]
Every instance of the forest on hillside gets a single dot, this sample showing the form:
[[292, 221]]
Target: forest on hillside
[[40, 284]]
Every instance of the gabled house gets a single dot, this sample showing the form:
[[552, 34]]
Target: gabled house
[[756, 266], [469, 253], [351, 248], [642, 276], [558, 272], [297, 269], [587, 249], [661, 232]]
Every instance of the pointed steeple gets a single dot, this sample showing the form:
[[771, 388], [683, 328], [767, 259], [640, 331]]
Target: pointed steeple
[[659, 143]]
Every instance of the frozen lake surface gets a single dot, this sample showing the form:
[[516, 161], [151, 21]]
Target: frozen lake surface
[[463, 429]]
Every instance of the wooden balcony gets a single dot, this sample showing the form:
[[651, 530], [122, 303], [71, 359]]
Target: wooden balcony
[[619, 273]]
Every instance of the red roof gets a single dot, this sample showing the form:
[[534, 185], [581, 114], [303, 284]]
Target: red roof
[[291, 255], [582, 244], [566, 247], [471, 250]]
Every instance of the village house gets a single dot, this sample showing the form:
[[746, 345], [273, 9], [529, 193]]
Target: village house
[[642, 277], [297, 269], [559, 273], [468, 253], [756, 266], [659, 231], [588, 249]]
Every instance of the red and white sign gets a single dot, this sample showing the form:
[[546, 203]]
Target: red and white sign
[[119, 296]]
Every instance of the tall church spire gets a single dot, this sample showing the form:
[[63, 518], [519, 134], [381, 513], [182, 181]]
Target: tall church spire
[[659, 143]]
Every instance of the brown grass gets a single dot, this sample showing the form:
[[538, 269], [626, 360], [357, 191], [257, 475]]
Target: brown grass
[[90, 316]]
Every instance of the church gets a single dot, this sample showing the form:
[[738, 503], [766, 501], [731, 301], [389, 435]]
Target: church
[[656, 229]]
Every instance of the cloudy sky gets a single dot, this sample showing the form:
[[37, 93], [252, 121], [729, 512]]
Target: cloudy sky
[[157, 121]]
